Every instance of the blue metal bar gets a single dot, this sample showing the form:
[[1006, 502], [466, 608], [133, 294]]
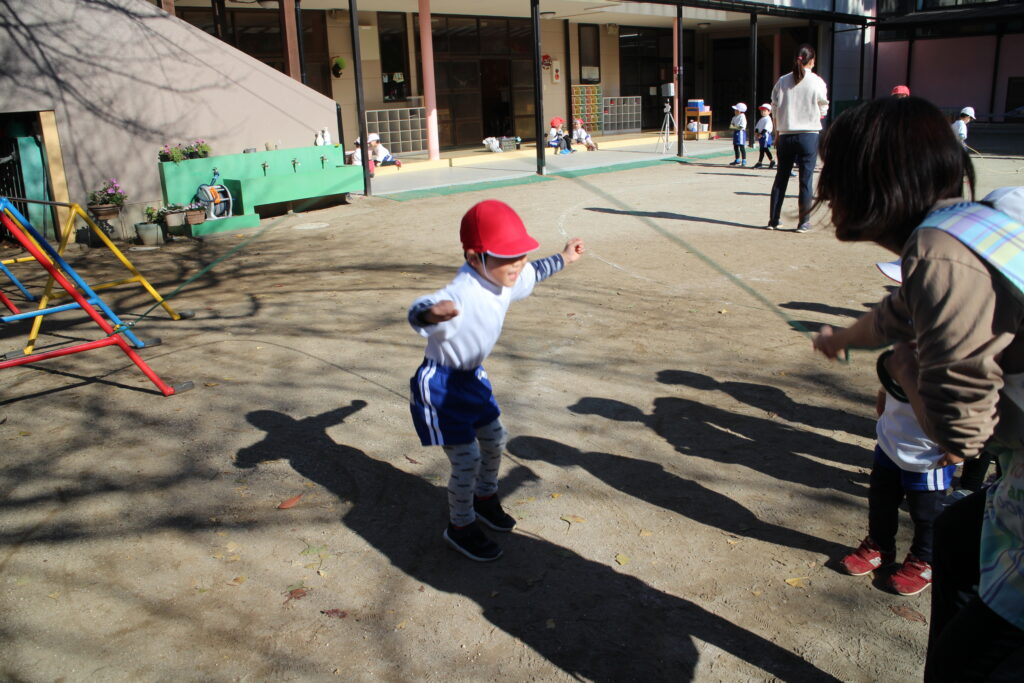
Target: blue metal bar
[[17, 283]]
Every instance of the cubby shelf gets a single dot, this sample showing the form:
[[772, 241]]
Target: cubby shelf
[[588, 105], [400, 130], [622, 114]]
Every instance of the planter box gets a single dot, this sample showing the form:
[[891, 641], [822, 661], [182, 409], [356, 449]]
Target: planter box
[[195, 216], [174, 219]]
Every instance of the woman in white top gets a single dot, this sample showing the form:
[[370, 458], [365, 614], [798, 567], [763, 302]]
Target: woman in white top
[[800, 102]]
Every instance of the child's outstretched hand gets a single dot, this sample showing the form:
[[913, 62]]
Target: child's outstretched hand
[[440, 312], [573, 250]]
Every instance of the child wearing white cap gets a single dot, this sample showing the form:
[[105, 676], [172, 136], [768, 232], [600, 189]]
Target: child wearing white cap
[[763, 131], [738, 126], [451, 401], [960, 125]]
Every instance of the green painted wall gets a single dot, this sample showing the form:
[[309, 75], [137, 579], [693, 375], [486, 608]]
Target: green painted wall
[[253, 185]]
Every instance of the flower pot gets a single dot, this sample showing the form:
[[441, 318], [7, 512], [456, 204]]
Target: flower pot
[[105, 212], [174, 219], [195, 216], [149, 233]]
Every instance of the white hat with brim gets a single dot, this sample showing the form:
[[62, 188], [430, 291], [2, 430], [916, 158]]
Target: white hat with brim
[[968, 111], [892, 270], [740, 107]]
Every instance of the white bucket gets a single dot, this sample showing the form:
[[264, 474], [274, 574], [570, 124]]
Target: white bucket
[[149, 233], [703, 128]]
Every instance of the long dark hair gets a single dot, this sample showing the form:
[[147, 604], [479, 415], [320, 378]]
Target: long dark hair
[[803, 55], [885, 165]]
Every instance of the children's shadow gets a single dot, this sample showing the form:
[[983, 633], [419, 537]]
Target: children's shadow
[[774, 400], [584, 617], [650, 482], [765, 446]]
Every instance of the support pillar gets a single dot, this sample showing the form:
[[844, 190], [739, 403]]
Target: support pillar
[[680, 108], [567, 74], [874, 62], [863, 47], [776, 57], [429, 88], [752, 107], [995, 78], [538, 95], [357, 63], [286, 12]]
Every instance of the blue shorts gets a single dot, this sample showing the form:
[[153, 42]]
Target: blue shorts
[[938, 479], [449, 405], [739, 137]]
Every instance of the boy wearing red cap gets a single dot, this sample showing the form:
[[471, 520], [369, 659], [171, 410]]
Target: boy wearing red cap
[[451, 400]]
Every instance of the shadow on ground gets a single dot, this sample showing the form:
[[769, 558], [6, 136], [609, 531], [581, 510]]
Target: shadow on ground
[[584, 617]]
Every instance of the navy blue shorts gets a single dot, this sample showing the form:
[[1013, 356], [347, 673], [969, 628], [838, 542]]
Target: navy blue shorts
[[938, 479], [449, 405], [739, 137]]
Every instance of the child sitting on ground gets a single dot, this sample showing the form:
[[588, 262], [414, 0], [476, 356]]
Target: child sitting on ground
[[380, 154], [451, 400], [356, 157], [739, 136], [557, 136], [763, 130], [906, 466], [582, 137]]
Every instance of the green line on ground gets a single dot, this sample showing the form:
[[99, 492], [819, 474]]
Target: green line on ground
[[580, 172], [469, 187]]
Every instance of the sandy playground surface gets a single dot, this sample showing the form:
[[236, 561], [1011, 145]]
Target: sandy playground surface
[[683, 470]]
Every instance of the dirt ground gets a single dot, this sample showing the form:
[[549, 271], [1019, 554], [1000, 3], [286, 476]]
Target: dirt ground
[[683, 470]]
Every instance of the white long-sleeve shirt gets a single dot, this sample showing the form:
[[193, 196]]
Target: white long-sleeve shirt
[[739, 122], [764, 125], [799, 107], [467, 339]]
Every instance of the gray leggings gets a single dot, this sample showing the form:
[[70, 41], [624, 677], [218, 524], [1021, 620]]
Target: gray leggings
[[474, 471]]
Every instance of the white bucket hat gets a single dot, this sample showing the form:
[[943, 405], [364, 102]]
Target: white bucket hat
[[969, 111]]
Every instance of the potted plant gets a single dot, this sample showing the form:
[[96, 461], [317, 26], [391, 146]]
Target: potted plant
[[195, 213], [168, 153], [149, 231], [173, 215], [202, 148], [106, 201]]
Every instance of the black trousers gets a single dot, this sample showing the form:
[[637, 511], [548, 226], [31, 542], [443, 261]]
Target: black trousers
[[967, 641], [885, 494], [800, 149]]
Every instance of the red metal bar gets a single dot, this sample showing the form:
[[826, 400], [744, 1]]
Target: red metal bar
[[9, 304], [66, 351], [31, 247]]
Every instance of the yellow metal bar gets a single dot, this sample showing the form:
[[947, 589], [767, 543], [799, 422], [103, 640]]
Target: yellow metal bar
[[68, 231]]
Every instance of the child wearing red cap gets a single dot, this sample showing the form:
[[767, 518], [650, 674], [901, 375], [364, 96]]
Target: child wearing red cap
[[558, 138], [451, 400]]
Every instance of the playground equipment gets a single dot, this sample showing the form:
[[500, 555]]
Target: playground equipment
[[76, 211], [84, 297]]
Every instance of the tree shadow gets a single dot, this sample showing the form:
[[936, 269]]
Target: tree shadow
[[649, 482], [672, 216], [582, 616], [763, 445]]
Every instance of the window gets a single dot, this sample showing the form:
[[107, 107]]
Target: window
[[394, 55], [590, 53]]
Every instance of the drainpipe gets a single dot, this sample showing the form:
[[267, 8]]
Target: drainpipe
[[298, 34], [219, 18], [680, 148], [538, 96], [429, 89], [357, 62], [910, 59]]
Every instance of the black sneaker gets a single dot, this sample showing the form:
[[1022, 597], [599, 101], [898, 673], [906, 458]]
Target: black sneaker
[[471, 542], [488, 511]]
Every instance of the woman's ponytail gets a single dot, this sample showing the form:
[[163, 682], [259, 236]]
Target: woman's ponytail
[[804, 56]]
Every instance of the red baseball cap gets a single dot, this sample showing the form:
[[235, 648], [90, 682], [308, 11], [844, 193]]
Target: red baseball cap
[[900, 90], [493, 227], [557, 121]]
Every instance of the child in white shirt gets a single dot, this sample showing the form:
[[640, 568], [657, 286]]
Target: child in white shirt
[[451, 402], [380, 154], [739, 136], [763, 131], [557, 136], [581, 136], [960, 125]]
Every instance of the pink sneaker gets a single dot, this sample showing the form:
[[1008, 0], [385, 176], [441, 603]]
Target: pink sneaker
[[912, 577], [867, 558]]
